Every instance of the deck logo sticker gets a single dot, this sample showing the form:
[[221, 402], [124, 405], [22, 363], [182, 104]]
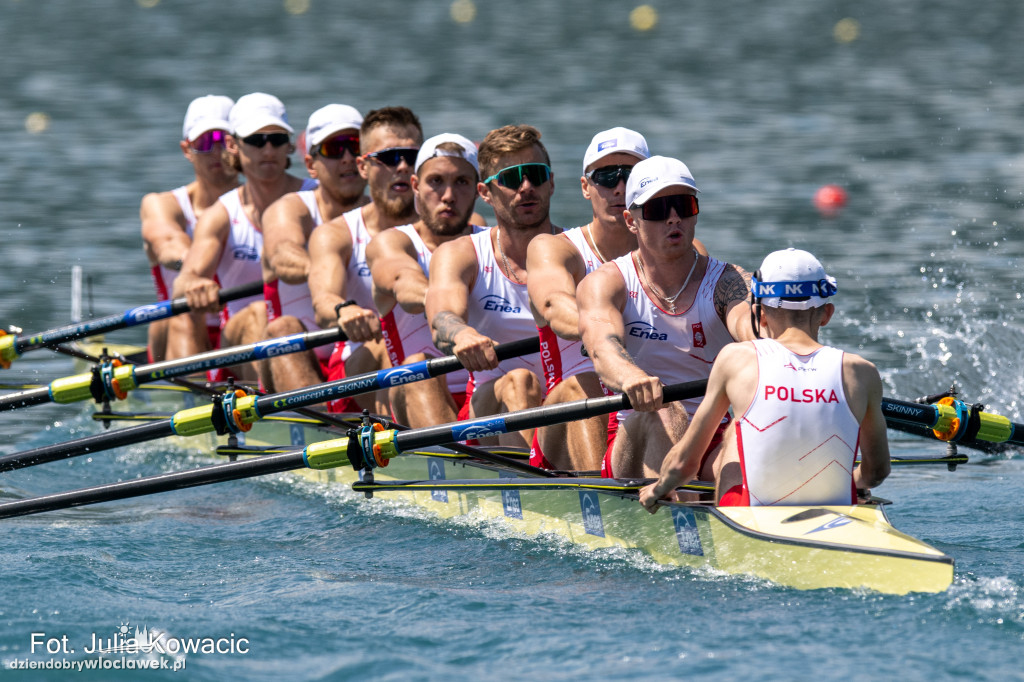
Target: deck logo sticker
[[512, 504], [591, 508], [834, 523], [297, 434], [479, 429], [686, 531], [436, 469]]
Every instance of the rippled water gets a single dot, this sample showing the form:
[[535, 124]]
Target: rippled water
[[918, 117]]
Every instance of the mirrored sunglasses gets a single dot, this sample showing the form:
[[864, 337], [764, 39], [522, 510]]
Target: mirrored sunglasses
[[512, 177], [394, 156], [260, 140], [609, 176], [686, 205], [205, 143], [335, 147]]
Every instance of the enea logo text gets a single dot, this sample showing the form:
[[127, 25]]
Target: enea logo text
[[642, 330], [490, 427], [499, 304], [283, 348], [402, 375], [147, 312]]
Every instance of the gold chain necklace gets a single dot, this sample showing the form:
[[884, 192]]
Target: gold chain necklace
[[508, 271], [671, 300], [597, 252]]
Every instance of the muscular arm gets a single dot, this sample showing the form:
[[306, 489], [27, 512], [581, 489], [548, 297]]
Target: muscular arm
[[196, 282], [452, 275], [732, 302], [286, 228], [601, 298], [554, 268], [864, 392], [163, 230], [397, 275], [330, 248], [682, 463]]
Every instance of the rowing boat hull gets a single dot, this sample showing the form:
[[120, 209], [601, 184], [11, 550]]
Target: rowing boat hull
[[802, 547]]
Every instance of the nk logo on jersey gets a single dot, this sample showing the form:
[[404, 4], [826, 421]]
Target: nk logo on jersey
[[245, 253], [641, 330], [363, 269], [500, 304]]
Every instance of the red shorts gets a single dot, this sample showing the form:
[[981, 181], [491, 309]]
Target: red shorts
[[334, 369], [716, 440]]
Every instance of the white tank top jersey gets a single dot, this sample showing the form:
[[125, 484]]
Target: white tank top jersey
[[240, 260], [358, 282], [163, 277], [560, 358], [673, 347], [500, 309], [294, 299], [406, 334], [798, 439]]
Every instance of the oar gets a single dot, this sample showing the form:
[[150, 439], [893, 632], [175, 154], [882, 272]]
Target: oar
[[367, 445], [13, 346], [237, 413], [608, 485], [115, 381], [954, 420]]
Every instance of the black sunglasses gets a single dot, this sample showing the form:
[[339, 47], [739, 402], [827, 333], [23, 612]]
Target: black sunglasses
[[260, 140], [335, 147], [610, 176], [394, 156], [512, 177], [659, 209]]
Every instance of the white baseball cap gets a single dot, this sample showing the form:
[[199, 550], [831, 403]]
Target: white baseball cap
[[792, 279], [328, 120], [652, 175], [429, 150], [206, 113], [615, 141], [257, 110]]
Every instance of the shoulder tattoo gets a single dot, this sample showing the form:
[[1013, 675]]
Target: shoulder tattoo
[[733, 285]]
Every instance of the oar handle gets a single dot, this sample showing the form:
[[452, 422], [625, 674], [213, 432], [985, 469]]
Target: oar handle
[[11, 348]]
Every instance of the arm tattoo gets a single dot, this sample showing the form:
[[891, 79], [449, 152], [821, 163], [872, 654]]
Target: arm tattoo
[[734, 285], [620, 348], [446, 325]]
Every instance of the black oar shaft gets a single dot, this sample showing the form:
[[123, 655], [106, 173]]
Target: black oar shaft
[[200, 422], [83, 446], [28, 398], [230, 471], [534, 418], [135, 316]]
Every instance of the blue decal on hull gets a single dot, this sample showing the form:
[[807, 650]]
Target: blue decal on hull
[[297, 434], [511, 503], [685, 522], [590, 505], [436, 469]]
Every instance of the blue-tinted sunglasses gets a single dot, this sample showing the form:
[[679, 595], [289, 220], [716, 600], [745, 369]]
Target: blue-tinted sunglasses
[[512, 177]]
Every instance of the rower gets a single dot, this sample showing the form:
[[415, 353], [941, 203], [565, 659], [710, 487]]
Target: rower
[[228, 240], [477, 295], [169, 218], [642, 337], [804, 409], [339, 279], [444, 183], [332, 147]]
